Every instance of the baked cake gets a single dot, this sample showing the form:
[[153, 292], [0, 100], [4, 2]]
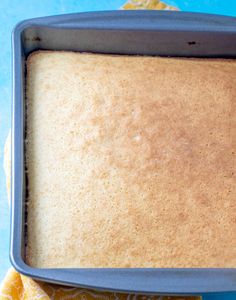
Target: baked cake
[[130, 161]]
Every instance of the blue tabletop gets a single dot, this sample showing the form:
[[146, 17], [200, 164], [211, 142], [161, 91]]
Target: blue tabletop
[[14, 11]]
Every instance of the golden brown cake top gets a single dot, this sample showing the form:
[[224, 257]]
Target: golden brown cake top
[[131, 161]]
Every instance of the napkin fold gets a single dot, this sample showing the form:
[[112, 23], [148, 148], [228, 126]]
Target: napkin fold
[[148, 4]]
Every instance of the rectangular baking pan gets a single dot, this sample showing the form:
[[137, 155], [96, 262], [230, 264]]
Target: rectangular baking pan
[[119, 32]]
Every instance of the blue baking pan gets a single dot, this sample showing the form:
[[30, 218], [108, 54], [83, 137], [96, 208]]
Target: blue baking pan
[[119, 32]]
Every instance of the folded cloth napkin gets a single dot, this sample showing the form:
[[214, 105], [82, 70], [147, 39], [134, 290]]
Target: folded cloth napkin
[[16, 286], [147, 4]]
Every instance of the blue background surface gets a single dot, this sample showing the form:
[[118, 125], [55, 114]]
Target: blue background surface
[[13, 11]]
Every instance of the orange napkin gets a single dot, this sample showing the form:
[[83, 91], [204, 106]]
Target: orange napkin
[[147, 4]]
